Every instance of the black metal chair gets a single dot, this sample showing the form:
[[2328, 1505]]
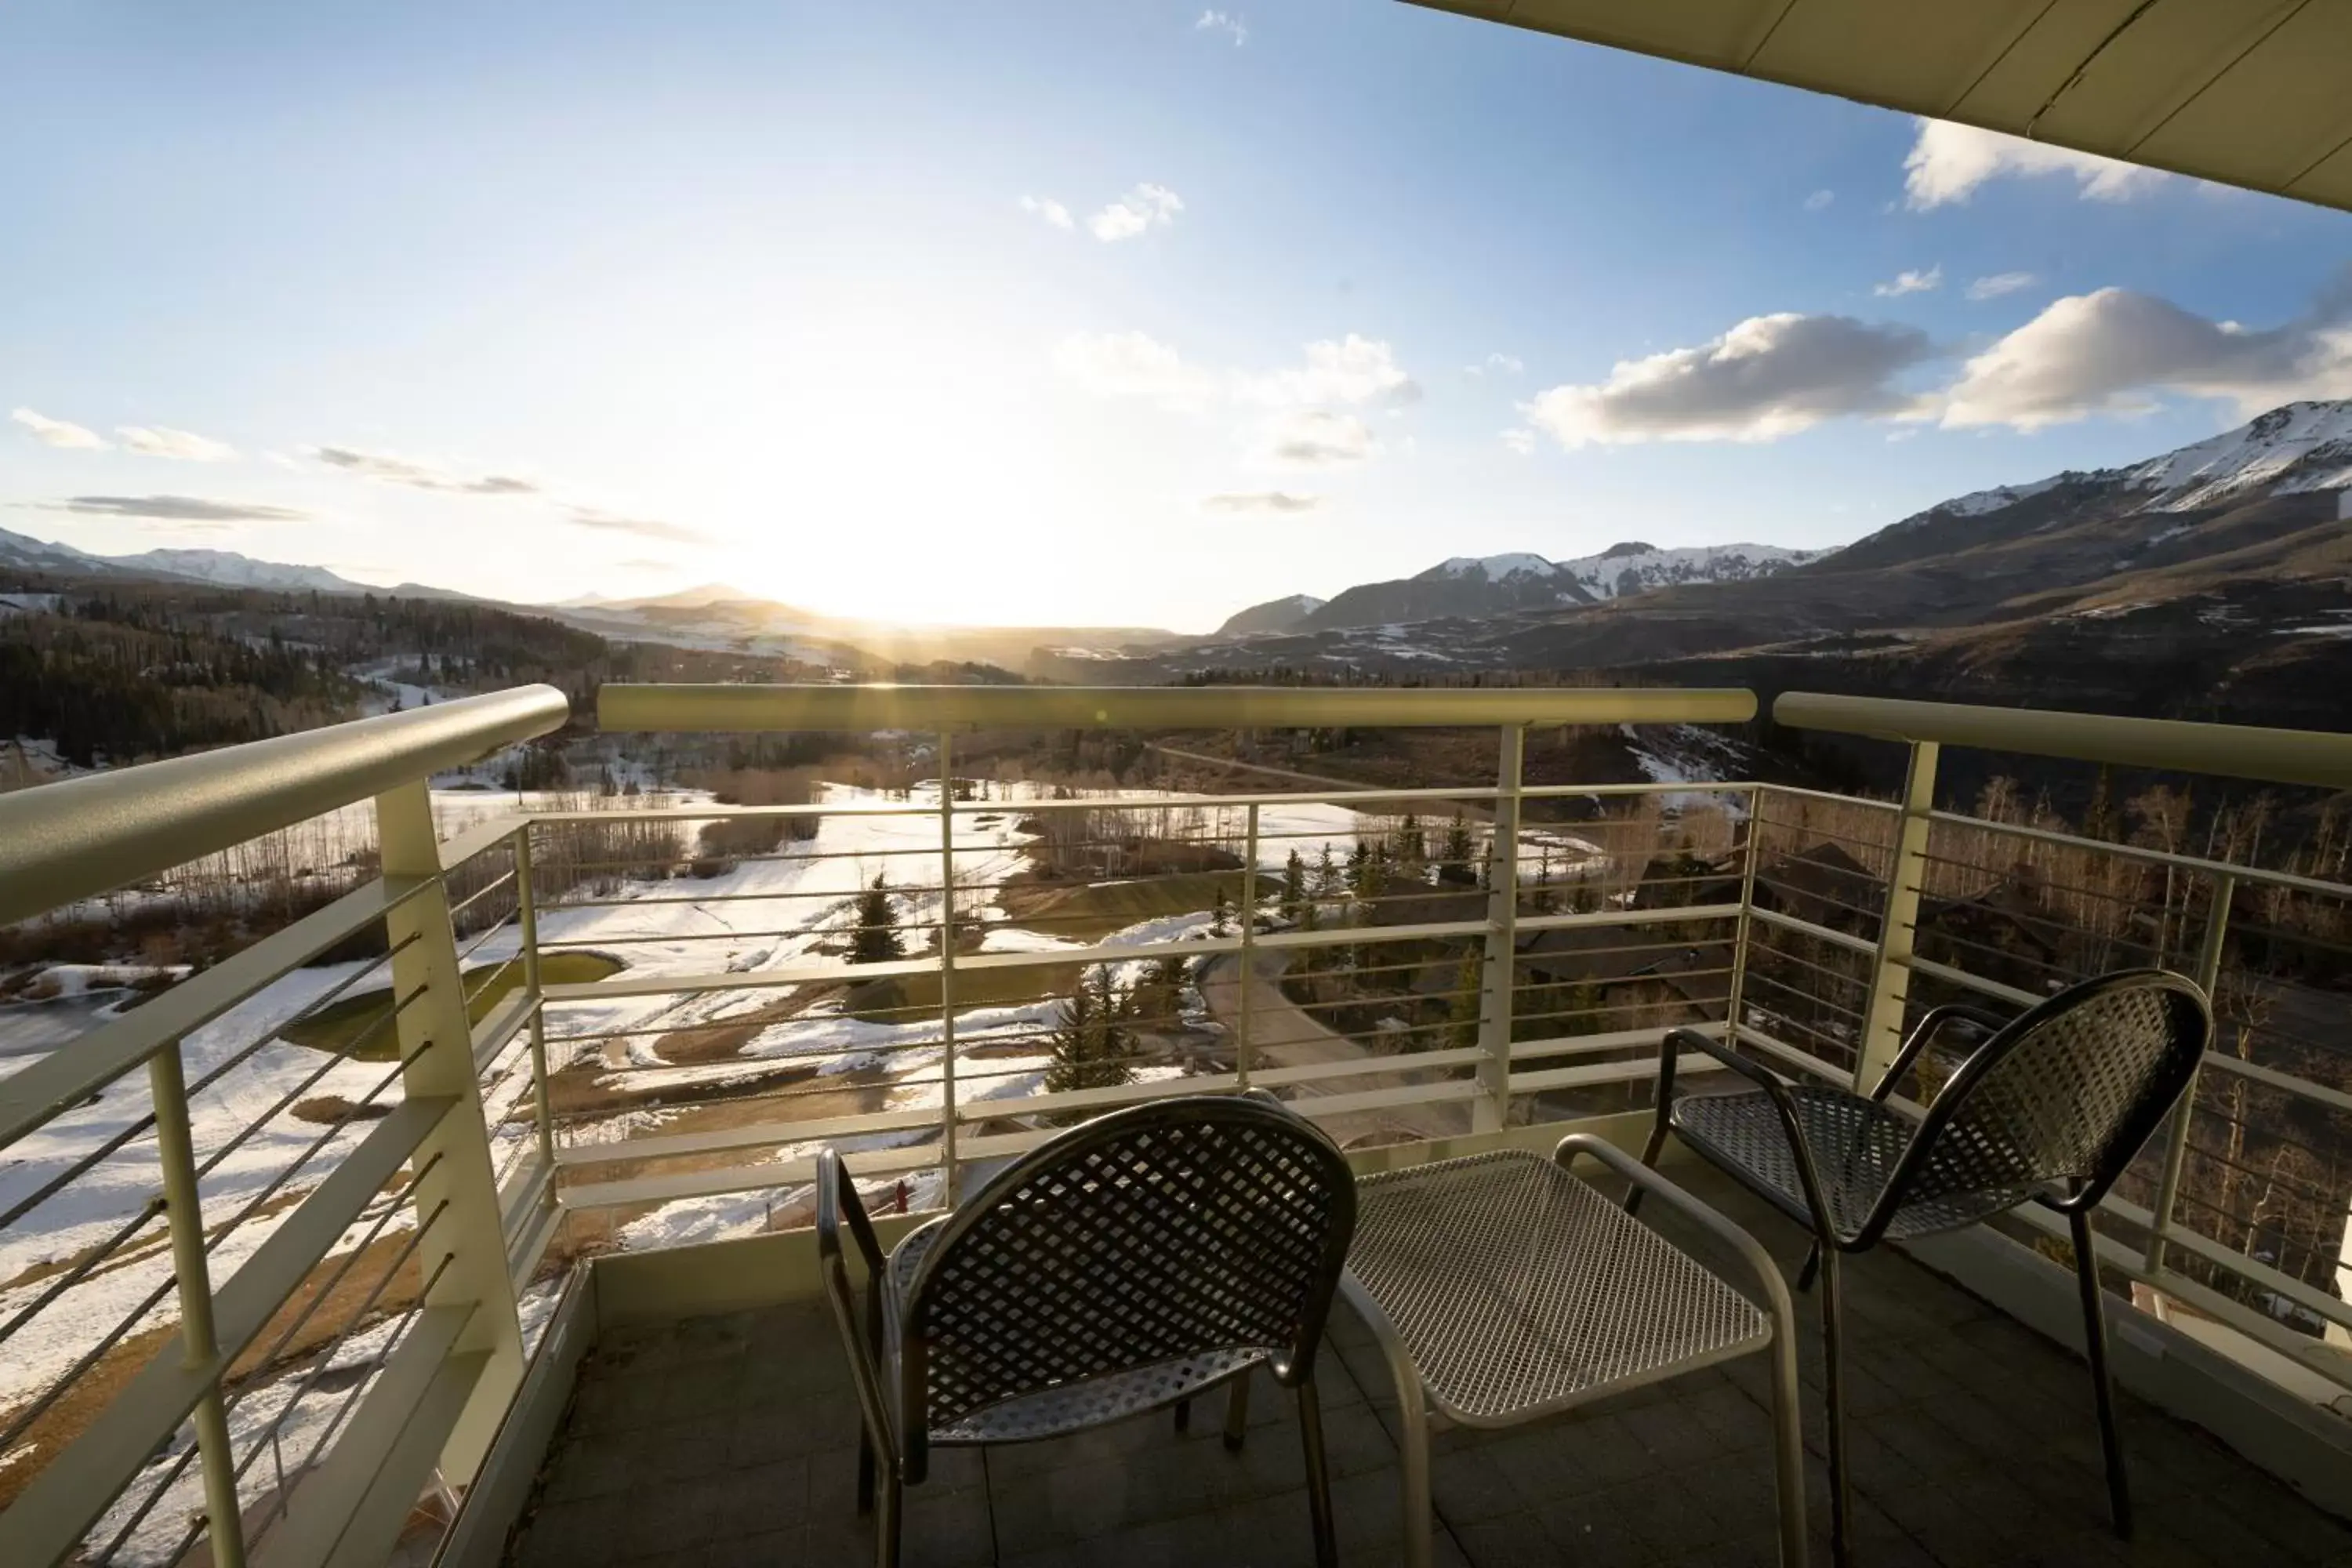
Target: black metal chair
[[2051, 1108], [1129, 1264]]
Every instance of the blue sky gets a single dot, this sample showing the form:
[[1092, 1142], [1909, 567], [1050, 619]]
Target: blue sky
[[1108, 313]]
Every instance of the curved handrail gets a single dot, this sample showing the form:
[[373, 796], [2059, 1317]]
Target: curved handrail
[[2233, 751], [82, 837], [687, 708]]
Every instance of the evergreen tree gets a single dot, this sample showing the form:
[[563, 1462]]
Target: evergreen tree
[[1409, 847], [1360, 868], [877, 941], [1092, 1037], [1327, 875], [1294, 886], [1458, 848]]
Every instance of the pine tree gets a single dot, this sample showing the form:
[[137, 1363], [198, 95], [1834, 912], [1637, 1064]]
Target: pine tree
[[1092, 1036], [1456, 856], [1327, 875], [1360, 868], [1294, 886], [877, 941]]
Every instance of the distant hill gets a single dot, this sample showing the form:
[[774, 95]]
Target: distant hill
[[223, 568], [1274, 616]]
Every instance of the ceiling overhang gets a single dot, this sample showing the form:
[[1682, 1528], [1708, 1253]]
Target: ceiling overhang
[[2254, 93]]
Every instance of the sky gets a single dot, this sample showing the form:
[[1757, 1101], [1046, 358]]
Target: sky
[[1122, 313]]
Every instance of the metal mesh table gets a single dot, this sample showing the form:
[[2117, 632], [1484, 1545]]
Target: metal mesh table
[[1503, 1290]]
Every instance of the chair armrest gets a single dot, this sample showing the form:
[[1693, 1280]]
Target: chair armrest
[[1751, 1254], [836, 1199], [1777, 1092], [1935, 1019]]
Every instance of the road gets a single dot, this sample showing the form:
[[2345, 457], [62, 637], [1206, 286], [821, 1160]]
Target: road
[[1283, 1034]]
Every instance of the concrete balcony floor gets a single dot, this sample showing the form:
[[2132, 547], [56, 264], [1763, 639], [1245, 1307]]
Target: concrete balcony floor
[[732, 1440]]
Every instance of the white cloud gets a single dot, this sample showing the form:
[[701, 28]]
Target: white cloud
[[2112, 352], [1500, 363], [1910, 282], [1819, 199], [1129, 364], [1262, 501], [1949, 162], [1999, 283], [51, 432], [1520, 439], [1046, 207], [1317, 438], [1767, 377], [195, 511], [1145, 207], [643, 527], [1222, 22], [1352, 369], [392, 470], [159, 442]]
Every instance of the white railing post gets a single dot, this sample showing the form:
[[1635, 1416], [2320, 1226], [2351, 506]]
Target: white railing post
[[1890, 976], [184, 1211], [2176, 1132], [527, 917], [1743, 931], [457, 1177], [1492, 1108], [947, 974], [1249, 952]]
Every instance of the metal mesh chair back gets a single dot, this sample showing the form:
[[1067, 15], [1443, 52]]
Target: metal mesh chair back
[[2067, 1093], [1155, 1236]]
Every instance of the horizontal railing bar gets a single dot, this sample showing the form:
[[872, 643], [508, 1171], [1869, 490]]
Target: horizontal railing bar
[[1976, 983], [1319, 1106], [835, 708], [1805, 1060], [1629, 918], [1834, 936], [761, 1135], [1590, 1073], [500, 1025], [61, 1504], [481, 837], [62, 1079], [1364, 1067], [1608, 1040], [2145, 855], [2231, 750], [1830, 796], [2285, 1082], [82, 836]]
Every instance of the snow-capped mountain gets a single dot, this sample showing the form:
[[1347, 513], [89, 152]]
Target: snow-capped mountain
[[1516, 581], [2293, 448], [231, 570], [1636, 568], [225, 567]]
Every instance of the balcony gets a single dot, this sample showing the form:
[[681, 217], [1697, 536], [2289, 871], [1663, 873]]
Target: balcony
[[310, 1249]]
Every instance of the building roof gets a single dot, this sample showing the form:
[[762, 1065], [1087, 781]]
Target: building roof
[[2248, 92]]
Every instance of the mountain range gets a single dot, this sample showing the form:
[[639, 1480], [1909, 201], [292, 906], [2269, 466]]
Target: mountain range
[[2217, 576], [1469, 586]]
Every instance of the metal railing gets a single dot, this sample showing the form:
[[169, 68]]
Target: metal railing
[[294, 1277]]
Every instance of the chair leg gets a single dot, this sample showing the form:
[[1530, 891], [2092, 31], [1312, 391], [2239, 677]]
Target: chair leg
[[1237, 1413], [1650, 1153], [1183, 1416], [1833, 1390], [1813, 1267], [2095, 1344], [1318, 1479], [865, 1470], [885, 1520]]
